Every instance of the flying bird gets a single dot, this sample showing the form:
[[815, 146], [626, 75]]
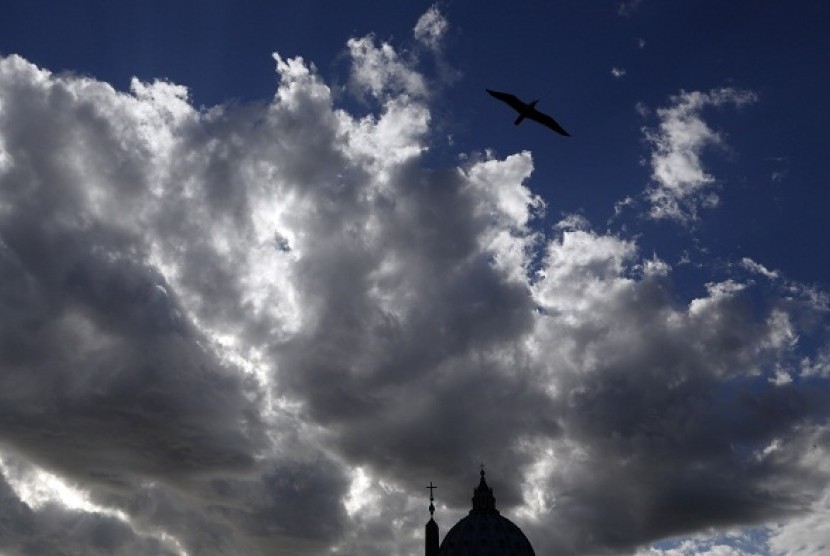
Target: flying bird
[[528, 111]]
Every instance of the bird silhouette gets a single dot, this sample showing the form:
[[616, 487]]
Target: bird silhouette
[[526, 110]]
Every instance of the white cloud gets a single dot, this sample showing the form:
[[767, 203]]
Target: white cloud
[[681, 184], [617, 73], [758, 268], [379, 70], [807, 534], [817, 365], [781, 378], [573, 222], [431, 27], [702, 547]]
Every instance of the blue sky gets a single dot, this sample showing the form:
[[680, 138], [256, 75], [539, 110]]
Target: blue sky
[[271, 267], [772, 167]]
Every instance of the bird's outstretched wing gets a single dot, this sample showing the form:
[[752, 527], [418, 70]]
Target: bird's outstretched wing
[[528, 111], [512, 100], [548, 122]]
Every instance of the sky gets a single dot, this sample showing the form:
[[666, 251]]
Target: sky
[[269, 268]]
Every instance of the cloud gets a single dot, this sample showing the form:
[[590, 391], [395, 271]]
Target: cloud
[[260, 328], [133, 264], [642, 384], [573, 222], [681, 185], [430, 28], [617, 73], [720, 545], [808, 534], [758, 268], [380, 72]]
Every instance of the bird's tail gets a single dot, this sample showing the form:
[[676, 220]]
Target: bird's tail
[[519, 119]]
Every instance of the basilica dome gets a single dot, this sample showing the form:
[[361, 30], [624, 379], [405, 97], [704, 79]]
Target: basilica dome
[[484, 531]]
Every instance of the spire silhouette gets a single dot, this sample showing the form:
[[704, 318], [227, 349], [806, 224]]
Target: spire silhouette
[[483, 499], [431, 536]]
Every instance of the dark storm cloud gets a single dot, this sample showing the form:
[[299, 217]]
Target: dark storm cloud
[[106, 378], [89, 325], [261, 328], [670, 412], [56, 530]]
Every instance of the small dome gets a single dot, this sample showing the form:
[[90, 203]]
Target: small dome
[[485, 532]]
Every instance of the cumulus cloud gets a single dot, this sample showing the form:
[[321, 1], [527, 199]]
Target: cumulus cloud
[[617, 73], [260, 328], [681, 185]]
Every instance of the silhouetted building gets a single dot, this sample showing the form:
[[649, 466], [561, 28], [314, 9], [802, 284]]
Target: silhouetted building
[[482, 532]]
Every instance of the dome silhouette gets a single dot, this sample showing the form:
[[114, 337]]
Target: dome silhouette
[[483, 532]]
